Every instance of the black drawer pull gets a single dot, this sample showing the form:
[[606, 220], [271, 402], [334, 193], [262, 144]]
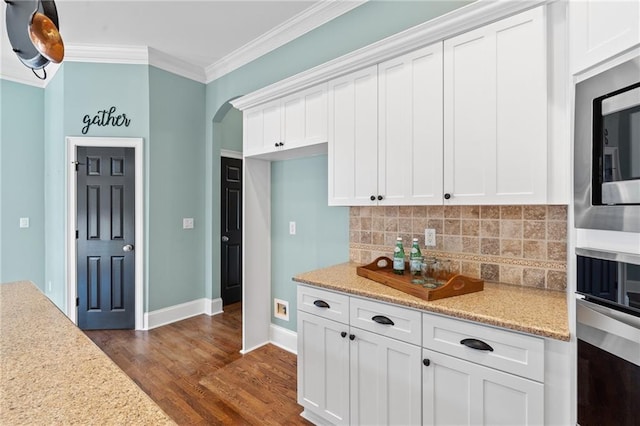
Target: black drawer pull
[[476, 344], [380, 319], [321, 304], [352, 337], [343, 334], [426, 362]]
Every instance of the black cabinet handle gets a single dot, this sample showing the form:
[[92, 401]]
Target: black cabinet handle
[[281, 143], [382, 320], [379, 197], [321, 304], [343, 334], [476, 344], [352, 336], [276, 144], [426, 362], [447, 196], [373, 198]]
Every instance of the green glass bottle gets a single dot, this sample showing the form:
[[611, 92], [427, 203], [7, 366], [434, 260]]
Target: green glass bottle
[[415, 258], [398, 257]]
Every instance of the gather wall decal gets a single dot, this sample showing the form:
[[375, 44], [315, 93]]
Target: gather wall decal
[[106, 117]]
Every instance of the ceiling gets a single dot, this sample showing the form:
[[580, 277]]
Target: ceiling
[[202, 33]]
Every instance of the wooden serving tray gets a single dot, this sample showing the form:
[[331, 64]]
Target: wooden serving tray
[[381, 270]]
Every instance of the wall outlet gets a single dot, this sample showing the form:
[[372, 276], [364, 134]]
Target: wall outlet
[[430, 237], [281, 309], [24, 222], [187, 223], [292, 228]]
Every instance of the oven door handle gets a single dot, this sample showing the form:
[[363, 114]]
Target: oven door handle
[[610, 330]]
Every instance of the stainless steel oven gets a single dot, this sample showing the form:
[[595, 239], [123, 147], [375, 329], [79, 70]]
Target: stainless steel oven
[[608, 332], [607, 149]]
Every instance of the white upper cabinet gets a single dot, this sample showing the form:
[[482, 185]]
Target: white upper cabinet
[[385, 132], [353, 138], [495, 113], [601, 29], [410, 128], [294, 121]]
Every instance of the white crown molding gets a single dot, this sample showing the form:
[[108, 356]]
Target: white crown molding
[[231, 154], [175, 65], [111, 54], [309, 19], [18, 73], [448, 25]]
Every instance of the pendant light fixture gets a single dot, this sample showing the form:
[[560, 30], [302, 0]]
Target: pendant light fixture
[[32, 27]]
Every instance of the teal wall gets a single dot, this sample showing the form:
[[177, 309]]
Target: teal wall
[[176, 189], [299, 194], [363, 25], [21, 182]]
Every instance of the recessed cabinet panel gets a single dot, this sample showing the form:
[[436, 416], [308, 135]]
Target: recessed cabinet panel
[[271, 129], [463, 393], [410, 128], [521, 110], [495, 113], [601, 29], [353, 138]]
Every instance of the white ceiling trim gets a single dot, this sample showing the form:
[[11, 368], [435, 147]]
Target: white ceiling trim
[[176, 66], [110, 54], [295, 27]]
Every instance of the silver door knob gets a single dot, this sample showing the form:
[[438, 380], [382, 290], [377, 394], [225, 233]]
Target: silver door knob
[[225, 238], [128, 247]]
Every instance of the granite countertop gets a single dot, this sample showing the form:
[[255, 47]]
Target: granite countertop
[[51, 373], [529, 310]]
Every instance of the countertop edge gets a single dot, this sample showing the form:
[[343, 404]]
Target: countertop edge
[[460, 314]]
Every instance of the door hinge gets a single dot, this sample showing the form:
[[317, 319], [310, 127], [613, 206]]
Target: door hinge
[[77, 301]]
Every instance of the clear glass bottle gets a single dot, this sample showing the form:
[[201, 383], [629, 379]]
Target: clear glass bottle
[[398, 257], [415, 258]]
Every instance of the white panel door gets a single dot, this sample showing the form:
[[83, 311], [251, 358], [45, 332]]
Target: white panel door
[[463, 393], [410, 128], [315, 116], [272, 126], [292, 121], [385, 380], [495, 131], [353, 138], [601, 29], [323, 367]]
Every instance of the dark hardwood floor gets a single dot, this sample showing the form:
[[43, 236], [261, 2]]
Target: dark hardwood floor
[[194, 371]]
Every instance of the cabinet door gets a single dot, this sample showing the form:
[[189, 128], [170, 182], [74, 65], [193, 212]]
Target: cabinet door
[[323, 367], [600, 29], [353, 138], [463, 393], [495, 113], [261, 129], [272, 125], [410, 128], [385, 380]]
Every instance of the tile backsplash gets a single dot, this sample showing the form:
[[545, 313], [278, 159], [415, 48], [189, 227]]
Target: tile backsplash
[[520, 245]]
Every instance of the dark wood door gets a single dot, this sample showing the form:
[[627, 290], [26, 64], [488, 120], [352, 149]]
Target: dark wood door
[[231, 230], [106, 238]]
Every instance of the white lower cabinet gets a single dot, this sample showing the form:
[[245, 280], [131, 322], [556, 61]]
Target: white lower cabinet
[[323, 367], [348, 375], [458, 392], [385, 364], [385, 380]]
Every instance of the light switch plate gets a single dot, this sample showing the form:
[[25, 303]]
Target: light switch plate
[[24, 222], [187, 223], [292, 228]]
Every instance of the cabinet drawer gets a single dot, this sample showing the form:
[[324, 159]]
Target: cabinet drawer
[[403, 324], [510, 352], [324, 303]]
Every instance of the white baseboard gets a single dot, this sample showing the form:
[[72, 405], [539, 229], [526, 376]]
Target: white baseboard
[[213, 306], [283, 338], [182, 311]]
